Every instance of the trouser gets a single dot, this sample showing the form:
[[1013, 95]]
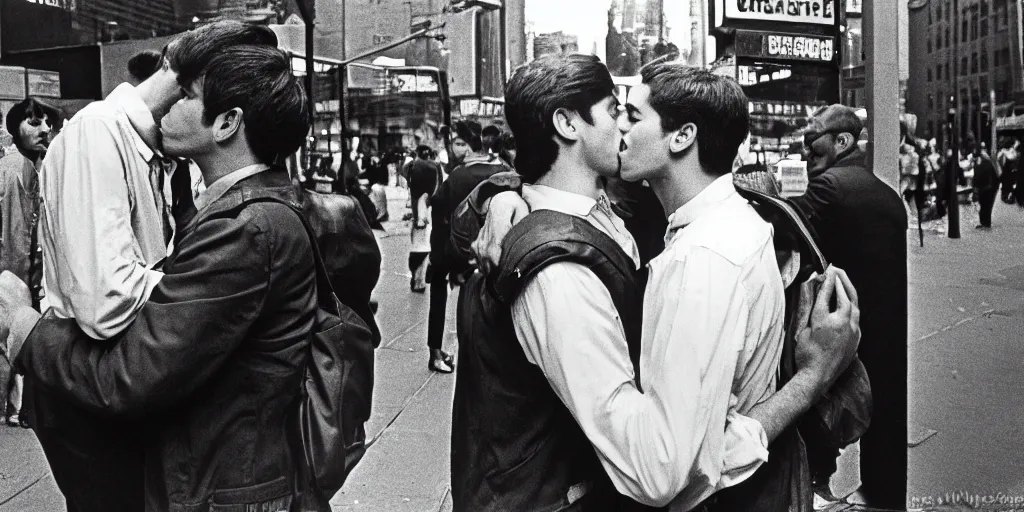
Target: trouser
[[986, 199], [418, 268], [438, 304], [98, 463], [1018, 190]]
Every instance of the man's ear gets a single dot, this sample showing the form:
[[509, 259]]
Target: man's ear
[[566, 123], [227, 124], [845, 141], [681, 139]]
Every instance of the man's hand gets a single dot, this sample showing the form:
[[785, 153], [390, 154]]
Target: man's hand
[[503, 211], [13, 295], [827, 344]]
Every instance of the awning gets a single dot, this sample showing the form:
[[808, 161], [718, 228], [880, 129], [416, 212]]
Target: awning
[[1012, 123]]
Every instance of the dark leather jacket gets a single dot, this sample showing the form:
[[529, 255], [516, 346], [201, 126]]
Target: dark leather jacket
[[213, 361]]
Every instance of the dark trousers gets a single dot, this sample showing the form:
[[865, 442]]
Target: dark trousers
[[438, 304], [1007, 181], [986, 199], [416, 259], [98, 463]]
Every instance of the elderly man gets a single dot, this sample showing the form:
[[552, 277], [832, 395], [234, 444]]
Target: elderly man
[[862, 227]]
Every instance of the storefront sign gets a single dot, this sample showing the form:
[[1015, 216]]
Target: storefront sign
[[414, 83], [785, 46], [818, 12]]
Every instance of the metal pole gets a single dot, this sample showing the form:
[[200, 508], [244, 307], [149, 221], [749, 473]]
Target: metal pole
[[504, 42], [953, 199], [992, 124], [881, 30]]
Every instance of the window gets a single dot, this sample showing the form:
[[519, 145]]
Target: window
[[963, 66], [929, 16], [938, 40], [984, 27], [974, 62], [938, 72], [929, 45], [963, 28], [948, 74], [984, 59], [929, 74], [995, 59], [938, 12], [984, 8], [1004, 56], [931, 101], [983, 83], [931, 128], [947, 37]]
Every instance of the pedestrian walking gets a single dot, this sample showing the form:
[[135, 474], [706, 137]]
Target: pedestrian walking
[[1007, 159], [424, 177], [986, 187]]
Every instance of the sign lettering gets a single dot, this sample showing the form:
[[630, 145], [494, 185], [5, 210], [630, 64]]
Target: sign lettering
[[799, 47], [68, 5], [818, 12]]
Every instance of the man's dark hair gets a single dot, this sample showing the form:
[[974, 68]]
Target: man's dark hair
[[490, 131], [533, 94], [715, 104], [143, 64], [424, 151], [190, 53], [468, 131], [28, 108], [259, 81]]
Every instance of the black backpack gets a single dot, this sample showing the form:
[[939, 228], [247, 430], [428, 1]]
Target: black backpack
[[337, 389]]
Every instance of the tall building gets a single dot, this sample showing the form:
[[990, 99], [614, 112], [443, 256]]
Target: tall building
[[971, 51]]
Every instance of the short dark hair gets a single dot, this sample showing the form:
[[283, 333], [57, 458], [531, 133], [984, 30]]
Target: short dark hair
[[143, 64], [259, 81], [536, 90], [715, 104], [491, 131], [190, 53], [424, 151], [28, 108], [468, 131]]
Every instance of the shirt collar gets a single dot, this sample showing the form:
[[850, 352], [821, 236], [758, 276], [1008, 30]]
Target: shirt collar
[[147, 133], [715, 194], [543, 197], [217, 189]]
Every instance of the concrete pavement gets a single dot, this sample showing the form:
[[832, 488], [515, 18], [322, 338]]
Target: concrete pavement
[[966, 316]]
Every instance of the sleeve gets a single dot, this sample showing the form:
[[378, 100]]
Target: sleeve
[[818, 202], [650, 443], [198, 315], [103, 275]]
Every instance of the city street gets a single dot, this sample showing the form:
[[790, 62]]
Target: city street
[[966, 316]]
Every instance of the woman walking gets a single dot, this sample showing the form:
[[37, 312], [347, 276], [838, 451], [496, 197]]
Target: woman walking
[[423, 181]]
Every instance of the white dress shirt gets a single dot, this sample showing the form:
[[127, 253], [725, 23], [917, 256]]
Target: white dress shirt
[[102, 226], [713, 324], [651, 444]]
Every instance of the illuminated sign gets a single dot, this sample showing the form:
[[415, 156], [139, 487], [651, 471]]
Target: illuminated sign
[[42, 83], [818, 12], [781, 108], [785, 46], [747, 75]]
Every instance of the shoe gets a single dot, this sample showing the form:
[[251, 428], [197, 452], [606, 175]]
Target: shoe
[[979, 226], [13, 419], [23, 422], [439, 366]]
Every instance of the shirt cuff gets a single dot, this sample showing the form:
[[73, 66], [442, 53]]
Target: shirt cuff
[[24, 320], [746, 448]]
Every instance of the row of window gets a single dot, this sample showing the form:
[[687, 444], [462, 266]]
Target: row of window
[[973, 23], [977, 65], [972, 97]]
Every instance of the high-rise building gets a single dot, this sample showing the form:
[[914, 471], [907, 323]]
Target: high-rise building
[[968, 48]]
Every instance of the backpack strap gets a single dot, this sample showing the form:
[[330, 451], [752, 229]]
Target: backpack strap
[[545, 237], [325, 292], [786, 218]]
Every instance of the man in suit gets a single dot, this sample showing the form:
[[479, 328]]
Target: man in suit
[[861, 224]]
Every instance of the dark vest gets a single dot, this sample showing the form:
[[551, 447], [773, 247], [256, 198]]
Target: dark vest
[[515, 446]]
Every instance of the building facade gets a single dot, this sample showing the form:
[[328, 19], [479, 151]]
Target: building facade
[[968, 49]]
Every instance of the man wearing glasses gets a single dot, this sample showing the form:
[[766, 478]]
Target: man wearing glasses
[[861, 225]]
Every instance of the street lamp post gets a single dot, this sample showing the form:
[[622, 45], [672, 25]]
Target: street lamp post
[[952, 198]]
